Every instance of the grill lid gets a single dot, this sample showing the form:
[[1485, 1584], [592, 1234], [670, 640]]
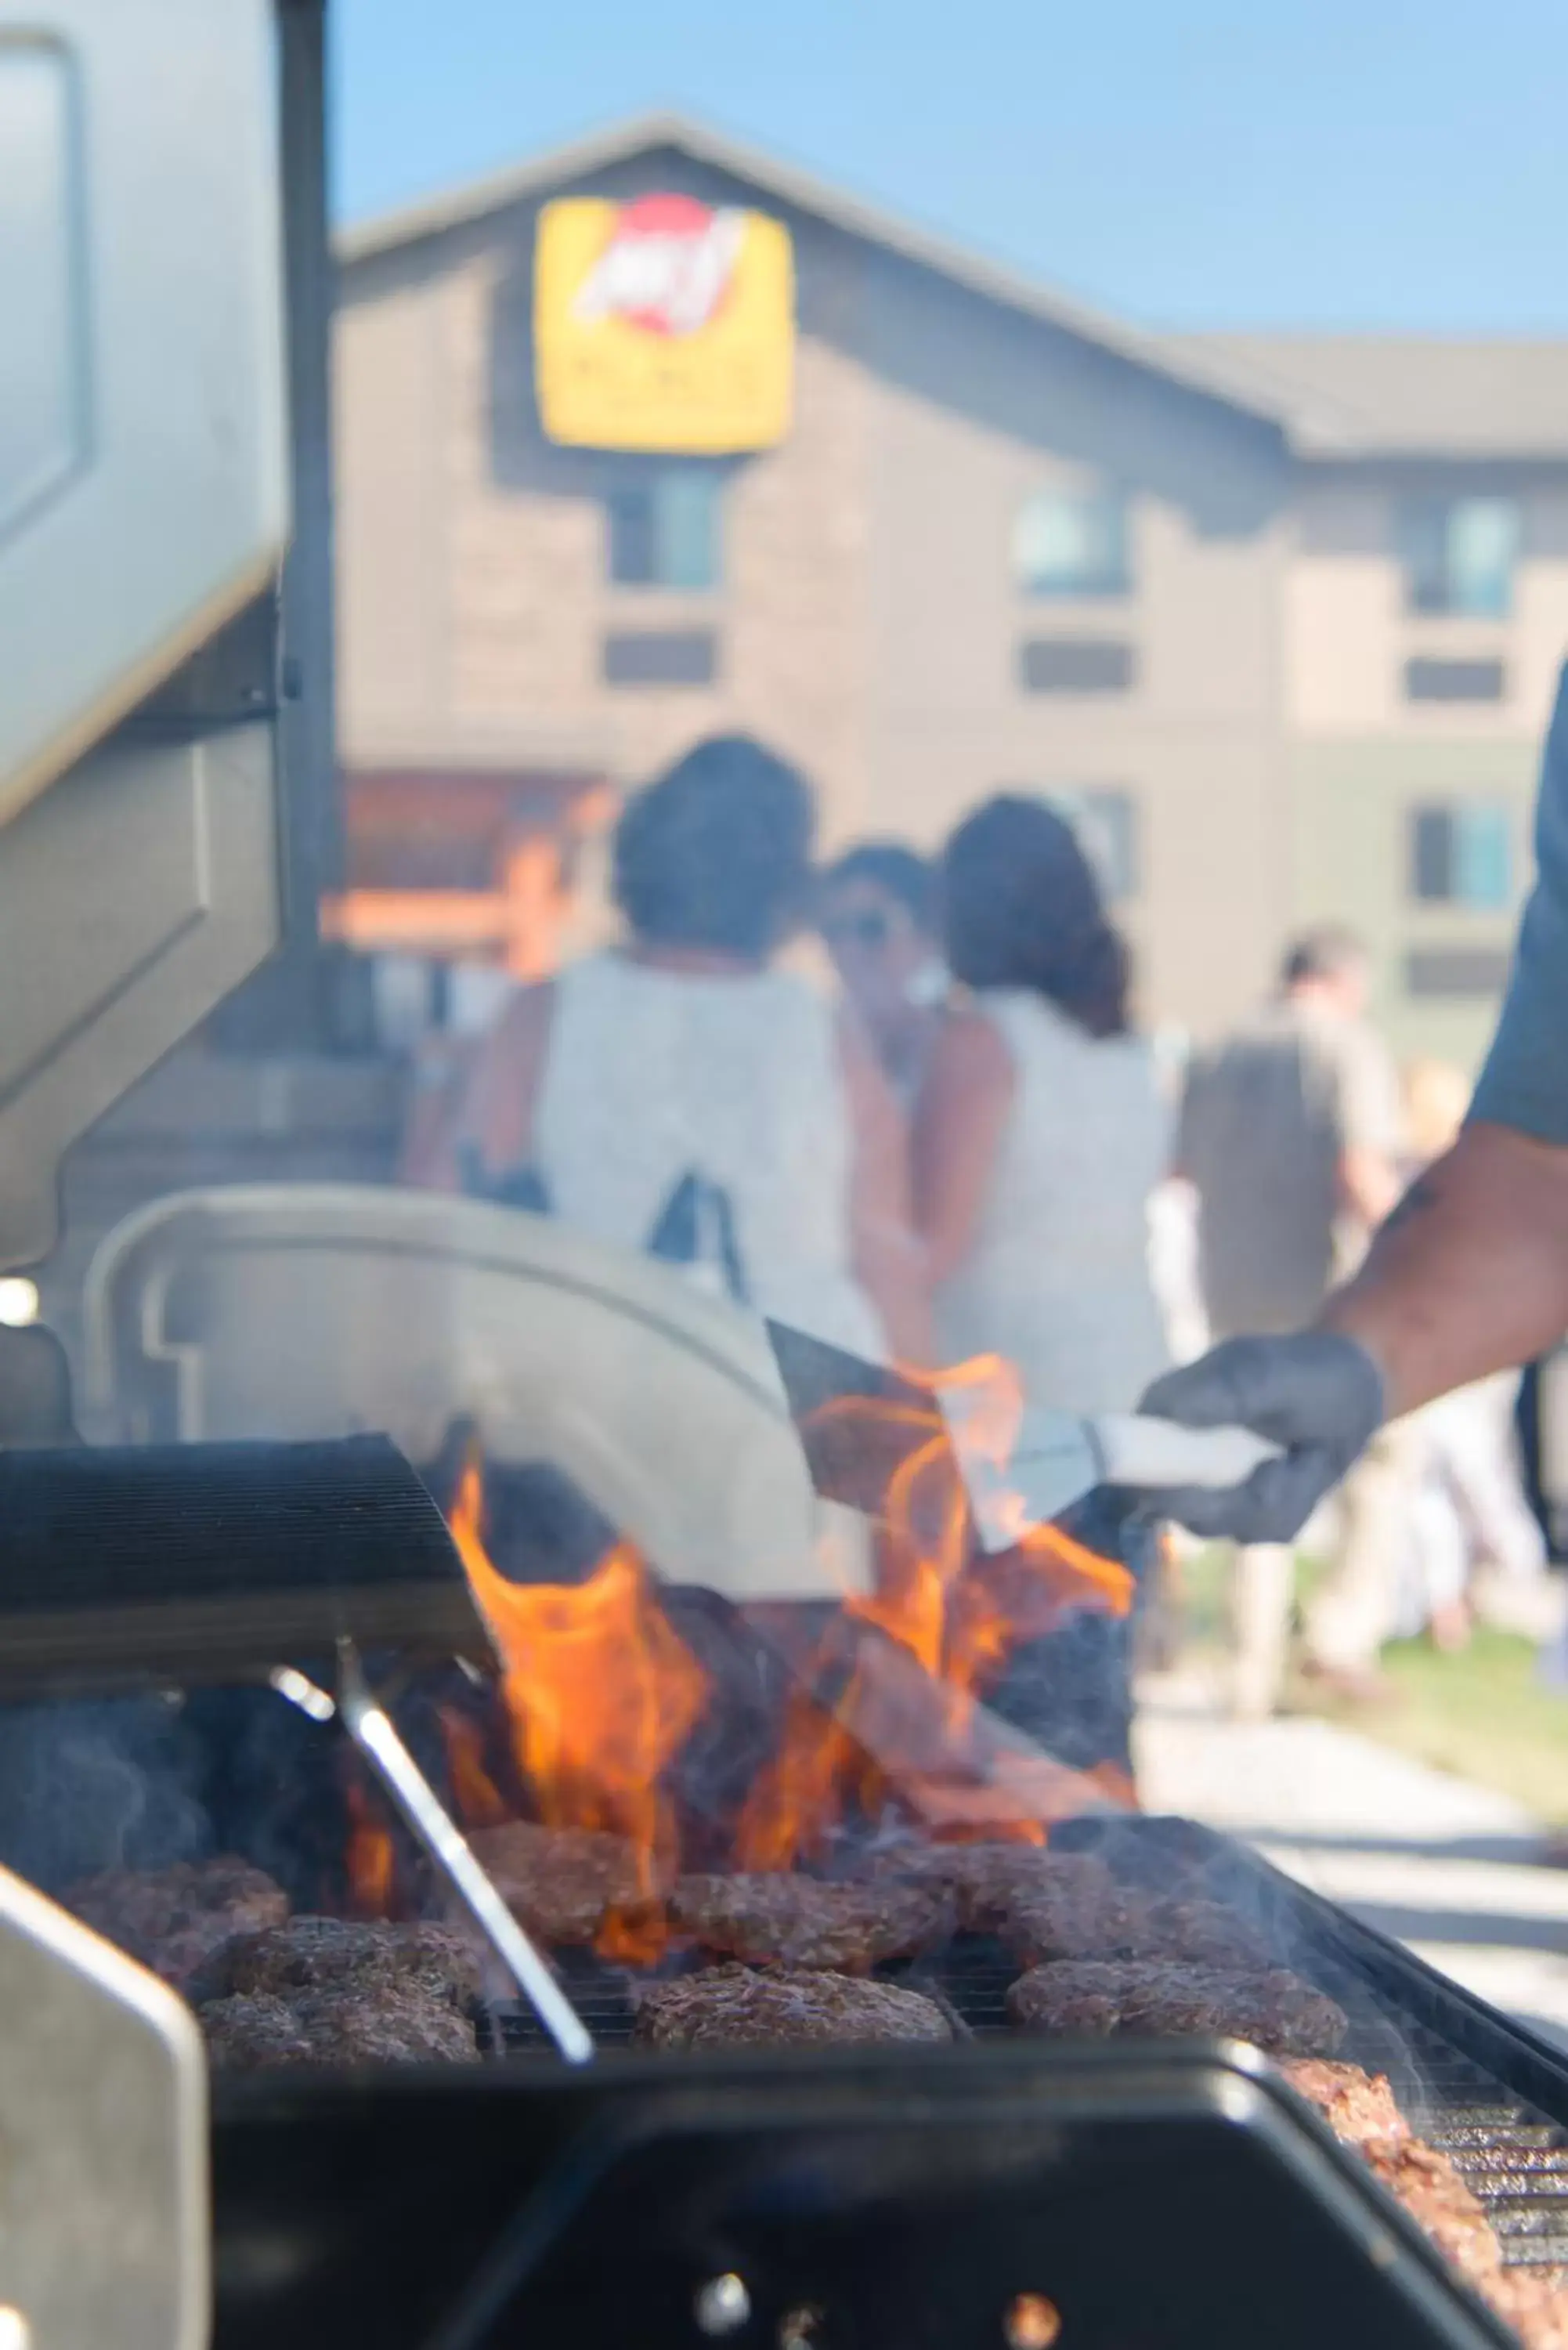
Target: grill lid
[[207, 1562]]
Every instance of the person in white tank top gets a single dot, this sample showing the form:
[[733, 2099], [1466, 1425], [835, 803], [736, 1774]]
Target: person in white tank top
[[679, 1095], [1040, 1131], [1039, 1135]]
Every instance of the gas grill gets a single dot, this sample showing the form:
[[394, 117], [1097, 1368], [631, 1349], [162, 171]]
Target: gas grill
[[1152, 2194], [1488, 2093], [1127, 2193]]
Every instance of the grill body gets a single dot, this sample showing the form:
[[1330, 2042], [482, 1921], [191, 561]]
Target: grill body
[[1161, 2197]]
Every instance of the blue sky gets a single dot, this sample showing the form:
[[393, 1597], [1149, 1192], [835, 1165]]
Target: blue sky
[[1379, 163]]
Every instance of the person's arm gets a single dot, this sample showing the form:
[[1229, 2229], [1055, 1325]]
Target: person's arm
[[885, 1253], [962, 1107], [1469, 1274], [497, 1116]]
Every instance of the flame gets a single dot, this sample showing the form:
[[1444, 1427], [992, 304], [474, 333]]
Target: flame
[[478, 1801], [370, 1861], [601, 1694], [959, 1617]]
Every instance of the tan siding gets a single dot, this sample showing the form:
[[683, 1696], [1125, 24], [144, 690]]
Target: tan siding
[[391, 513]]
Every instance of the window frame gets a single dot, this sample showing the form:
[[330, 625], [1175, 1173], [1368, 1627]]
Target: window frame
[[1108, 580], [1437, 855], [1433, 574], [625, 491]]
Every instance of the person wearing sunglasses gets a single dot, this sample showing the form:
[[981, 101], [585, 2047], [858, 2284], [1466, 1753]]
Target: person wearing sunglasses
[[877, 916]]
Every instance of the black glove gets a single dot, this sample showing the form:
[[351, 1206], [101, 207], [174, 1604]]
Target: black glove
[[1317, 1393]]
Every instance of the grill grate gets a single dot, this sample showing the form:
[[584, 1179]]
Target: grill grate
[[1513, 2157]]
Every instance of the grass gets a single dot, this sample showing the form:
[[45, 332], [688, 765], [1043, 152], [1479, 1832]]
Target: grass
[[1481, 1712]]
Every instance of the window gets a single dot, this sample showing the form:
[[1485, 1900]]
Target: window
[[1075, 665], [664, 529], [1453, 681], [1106, 821], [1461, 554], [1456, 970], [659, 656], [1071, 543], [1462, 855]]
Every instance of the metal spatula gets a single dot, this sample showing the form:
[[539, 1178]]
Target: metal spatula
[[860, 1421]]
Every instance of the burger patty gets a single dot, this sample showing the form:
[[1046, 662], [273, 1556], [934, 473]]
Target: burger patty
[[1534, 2303], [1427, 2183], [559, 1882], [1357, 2106], [1360, 2109], [390, 2025], [989, 1881], [731, 2007], [1047, 1905], [1048, 1921], [800, 1921], [345, 1956], [173, 1918], [1094, 1998]]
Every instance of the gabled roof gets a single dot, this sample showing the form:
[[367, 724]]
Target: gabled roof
[[1404, 395], [1345, 396], [476, 200]]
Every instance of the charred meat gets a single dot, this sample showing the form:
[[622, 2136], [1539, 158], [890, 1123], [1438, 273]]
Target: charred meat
[[1360, 2108], [800, 1921], [989, 1881], [1198, 1934], [1110, 1921], [1533, 2303], [731, 2007], [1427, 2183], [339, 1955], [174, 1919], [1274, 2010], [1357, 2106], [560, 1883], [388, 2023]]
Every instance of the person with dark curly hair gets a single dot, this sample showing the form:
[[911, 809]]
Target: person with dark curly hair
[[877, 911], [681, 1096], [1040, 1131], [1039, 1135]]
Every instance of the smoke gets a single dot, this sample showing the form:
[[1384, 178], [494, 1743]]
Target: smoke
[[102, 1782]]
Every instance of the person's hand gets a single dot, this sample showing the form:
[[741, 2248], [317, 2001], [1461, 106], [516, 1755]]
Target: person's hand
[[1317, 1393]]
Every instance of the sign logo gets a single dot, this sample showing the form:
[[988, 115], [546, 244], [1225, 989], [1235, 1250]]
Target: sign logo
[[668, 266], [663, 323]]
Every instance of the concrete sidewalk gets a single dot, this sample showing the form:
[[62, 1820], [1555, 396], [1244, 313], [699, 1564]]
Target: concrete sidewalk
[[1448, 1868]]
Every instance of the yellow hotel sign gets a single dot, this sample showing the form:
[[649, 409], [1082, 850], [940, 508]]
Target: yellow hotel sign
[[663, 323]]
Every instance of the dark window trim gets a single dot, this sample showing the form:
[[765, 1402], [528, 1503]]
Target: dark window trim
[[1077, 665], [1458, 974], [1431, 679], [659, 660]]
